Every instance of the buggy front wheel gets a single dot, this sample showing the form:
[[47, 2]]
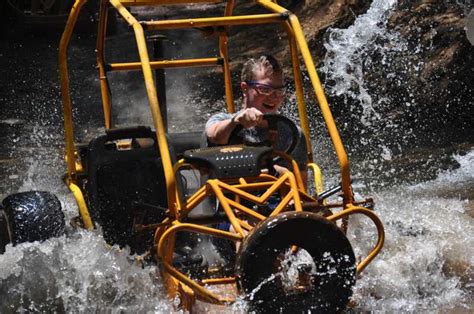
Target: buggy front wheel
[[296, 262]]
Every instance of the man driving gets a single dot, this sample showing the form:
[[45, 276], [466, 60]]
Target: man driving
[[263, 91]]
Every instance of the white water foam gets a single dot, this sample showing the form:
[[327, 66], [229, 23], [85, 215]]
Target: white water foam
[[77, 273], [427, 262]]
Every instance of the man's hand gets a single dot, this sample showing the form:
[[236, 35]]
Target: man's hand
[[249, 117], [280, 169], [219, 133]]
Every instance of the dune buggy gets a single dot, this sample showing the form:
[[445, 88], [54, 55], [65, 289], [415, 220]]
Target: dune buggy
[[131, 181]]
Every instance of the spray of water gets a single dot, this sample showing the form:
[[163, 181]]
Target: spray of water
[[427, 261], [344, 61], [77, 272]]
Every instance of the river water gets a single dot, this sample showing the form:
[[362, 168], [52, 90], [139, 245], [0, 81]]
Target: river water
[[427, 263]]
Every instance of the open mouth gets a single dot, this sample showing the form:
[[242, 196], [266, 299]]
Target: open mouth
[[269, 106]]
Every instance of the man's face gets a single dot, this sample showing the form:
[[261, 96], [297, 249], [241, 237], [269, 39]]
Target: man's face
[[258, 94]]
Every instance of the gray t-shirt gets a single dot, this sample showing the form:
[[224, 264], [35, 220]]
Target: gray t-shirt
[[260, 135]]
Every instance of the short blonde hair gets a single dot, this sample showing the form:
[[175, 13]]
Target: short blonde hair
[[267, 63]]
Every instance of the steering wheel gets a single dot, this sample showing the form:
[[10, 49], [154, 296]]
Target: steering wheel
[[278, 125]]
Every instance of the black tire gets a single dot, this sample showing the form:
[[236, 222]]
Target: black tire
[[4, 232], [262, 270], [31, 216]]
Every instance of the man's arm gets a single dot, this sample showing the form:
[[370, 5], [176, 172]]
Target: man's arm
[[219, 132]]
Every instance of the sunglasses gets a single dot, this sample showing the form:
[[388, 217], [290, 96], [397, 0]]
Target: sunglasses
[[267, 90]]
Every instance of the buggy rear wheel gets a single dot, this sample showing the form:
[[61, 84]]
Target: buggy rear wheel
[[296, 262], [30, 216], [5, 237]]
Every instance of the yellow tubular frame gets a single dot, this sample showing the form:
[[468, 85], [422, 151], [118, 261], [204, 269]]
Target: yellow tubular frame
[[154, 105], [165, 235], [380, 230], [203, 293], [104, 86], [323, 103], [215, 21], [289, 185], [302, 112], [166, 64], [83, 211], [317, 177], [72, 166], [223, 52], [65, 95], [130, 3]]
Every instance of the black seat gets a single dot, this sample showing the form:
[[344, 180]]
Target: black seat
[[182, 142], [119, 179], [126, 186]]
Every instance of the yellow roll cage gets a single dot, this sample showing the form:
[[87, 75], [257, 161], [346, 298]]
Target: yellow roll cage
[[177, 282]]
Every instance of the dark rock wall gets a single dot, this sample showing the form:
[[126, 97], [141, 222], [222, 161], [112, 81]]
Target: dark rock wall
[[316, 16], [426, 87], [442, 88]]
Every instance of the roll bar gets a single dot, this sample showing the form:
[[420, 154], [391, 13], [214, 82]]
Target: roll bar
[[276, 15]]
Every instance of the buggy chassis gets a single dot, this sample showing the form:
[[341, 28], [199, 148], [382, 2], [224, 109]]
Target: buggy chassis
[[175, 213]]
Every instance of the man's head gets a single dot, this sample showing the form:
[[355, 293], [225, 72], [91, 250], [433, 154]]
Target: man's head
[[262, 84]]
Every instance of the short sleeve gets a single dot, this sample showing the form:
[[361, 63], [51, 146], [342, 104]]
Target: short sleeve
[[217, 118]]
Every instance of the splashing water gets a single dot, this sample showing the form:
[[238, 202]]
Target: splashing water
[[427, 262], [344, 60], [77, 272]]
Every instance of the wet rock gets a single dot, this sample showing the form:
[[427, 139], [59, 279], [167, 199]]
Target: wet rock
[[319, 15], [418, 76], [470, 27], [443, 91], [315, 17]]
